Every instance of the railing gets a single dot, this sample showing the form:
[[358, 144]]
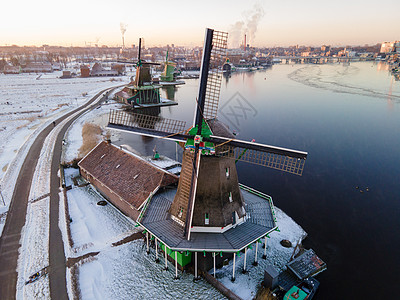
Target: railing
[[261, 195]]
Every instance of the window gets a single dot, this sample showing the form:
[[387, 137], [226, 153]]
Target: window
[[227, 172], [180, 213], [206, 219]]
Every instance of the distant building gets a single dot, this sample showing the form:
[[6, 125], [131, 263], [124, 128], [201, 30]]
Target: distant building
[[85, 71], [97, 71], [325, 48], [387, 47], [36, 67], [397, 47], [11, 69], [56, 66], [66, 74], [123, 178]]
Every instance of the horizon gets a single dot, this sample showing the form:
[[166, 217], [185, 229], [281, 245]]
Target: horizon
[[266, 25]]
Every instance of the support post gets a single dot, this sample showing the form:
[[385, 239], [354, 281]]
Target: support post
[[157, 260], [147, 242], [176, 265], [214, 262], [255, 263], [265, 248], [244, 265], [196, 277], [233, 272], [166, 258]]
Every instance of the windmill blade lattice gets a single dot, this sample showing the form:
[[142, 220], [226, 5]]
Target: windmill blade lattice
[[293, 165], [140, 121], [218, 54]]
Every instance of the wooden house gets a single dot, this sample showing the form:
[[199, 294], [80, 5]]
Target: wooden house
[[123, 178]]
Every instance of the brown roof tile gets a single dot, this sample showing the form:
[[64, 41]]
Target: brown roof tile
[[130, 177]]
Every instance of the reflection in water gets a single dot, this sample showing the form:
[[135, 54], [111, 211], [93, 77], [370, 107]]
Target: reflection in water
[[382, 66], [170, 92], [150, 111], [227, 75]]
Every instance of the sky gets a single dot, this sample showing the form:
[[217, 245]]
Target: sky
[[267, 23]]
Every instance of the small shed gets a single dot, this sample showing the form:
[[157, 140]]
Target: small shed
[[123, 178]]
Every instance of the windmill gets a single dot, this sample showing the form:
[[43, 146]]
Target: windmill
[[142, 91], [208, 202]]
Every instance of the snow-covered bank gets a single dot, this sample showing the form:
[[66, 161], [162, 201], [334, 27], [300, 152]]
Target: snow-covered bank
[[73, 137], [246, 285]]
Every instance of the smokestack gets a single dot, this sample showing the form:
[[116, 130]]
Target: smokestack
[[248, 26], [122, 27], [140, 46]]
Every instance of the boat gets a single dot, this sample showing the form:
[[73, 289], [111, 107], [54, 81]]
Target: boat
[[306, 289], [297, 282]]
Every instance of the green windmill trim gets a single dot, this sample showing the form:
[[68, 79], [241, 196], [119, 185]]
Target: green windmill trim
[[205, 130], [207, 148]]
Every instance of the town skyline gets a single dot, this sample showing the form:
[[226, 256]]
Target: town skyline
[[266, 24]]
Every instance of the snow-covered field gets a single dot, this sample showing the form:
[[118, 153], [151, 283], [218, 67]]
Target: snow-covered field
[[28, 103]]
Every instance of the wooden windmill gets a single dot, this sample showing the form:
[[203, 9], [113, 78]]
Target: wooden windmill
[[142, 91], [208, 195]]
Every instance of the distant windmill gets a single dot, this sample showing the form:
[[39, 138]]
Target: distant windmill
[[123, 27]]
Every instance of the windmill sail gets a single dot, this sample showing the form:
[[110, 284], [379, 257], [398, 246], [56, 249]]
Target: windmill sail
[[287, 160], [153, 126], [217, 57]]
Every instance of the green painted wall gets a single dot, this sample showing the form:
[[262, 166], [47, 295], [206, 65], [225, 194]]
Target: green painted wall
[[182, 258]]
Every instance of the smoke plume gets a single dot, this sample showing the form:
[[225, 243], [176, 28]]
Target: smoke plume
[[123, 27], [248, 26]]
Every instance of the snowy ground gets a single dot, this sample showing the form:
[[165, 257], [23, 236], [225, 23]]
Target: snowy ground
[[246, 285], [29, 103], [126, 271], [121, 272]]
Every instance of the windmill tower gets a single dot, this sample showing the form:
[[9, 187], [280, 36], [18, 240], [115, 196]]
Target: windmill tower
[[210, 211], [169, 68]]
